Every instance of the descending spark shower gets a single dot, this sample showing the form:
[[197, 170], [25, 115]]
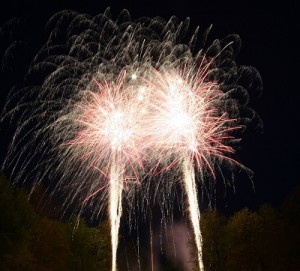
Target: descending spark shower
[[110, 106]]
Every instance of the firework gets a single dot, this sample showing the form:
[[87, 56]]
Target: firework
[[105, 100], [188, 128], [110, 141]]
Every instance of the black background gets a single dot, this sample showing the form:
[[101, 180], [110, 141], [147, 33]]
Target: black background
[[269, 34]]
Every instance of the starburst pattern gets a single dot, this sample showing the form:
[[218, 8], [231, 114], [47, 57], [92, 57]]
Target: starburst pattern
[[107, 102]]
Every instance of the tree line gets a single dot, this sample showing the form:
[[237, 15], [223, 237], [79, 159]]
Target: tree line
[[264, 240], [30, 240]]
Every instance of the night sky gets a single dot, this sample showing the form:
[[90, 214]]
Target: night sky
[[269, 36]]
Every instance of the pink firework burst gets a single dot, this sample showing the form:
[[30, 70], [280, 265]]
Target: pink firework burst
[[186, 119], [110, 121], [188, 127]]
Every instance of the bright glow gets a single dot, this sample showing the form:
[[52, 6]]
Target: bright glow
[[186, 125], [110, 134], [185, 118], [175, 118], [170, 115], [119, 102]]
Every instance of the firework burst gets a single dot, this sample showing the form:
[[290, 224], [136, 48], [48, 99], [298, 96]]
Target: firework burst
[[187, 120], [105, 99], [110, 141], [187, 129]]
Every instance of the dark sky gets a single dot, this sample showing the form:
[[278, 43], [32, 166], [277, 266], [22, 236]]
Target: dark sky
[[269, 34]]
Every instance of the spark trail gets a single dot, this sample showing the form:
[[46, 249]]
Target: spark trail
[[192, 192], [115, 212]]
